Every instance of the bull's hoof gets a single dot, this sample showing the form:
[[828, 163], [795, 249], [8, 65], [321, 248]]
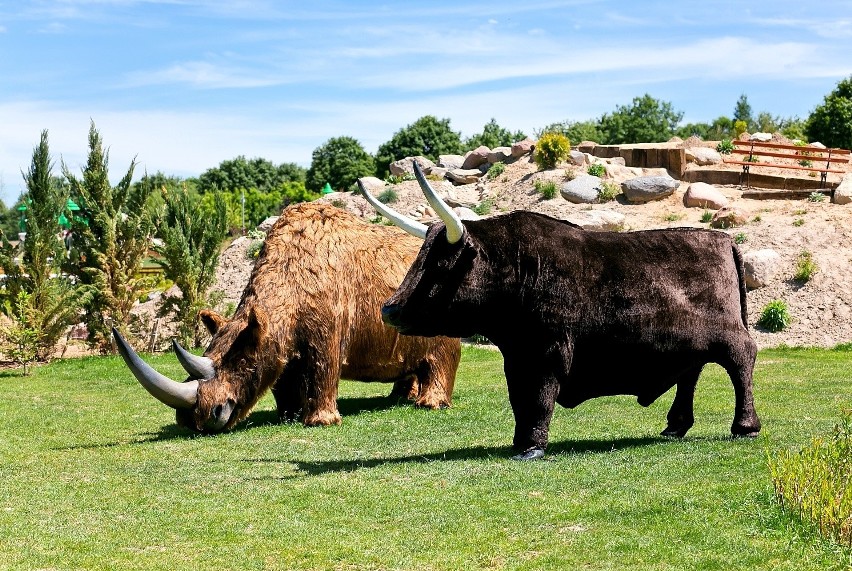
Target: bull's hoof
[[674, 432], [322, 418], [752, 434], [531, 454], [431, 403]]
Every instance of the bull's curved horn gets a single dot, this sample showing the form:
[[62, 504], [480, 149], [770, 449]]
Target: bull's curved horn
[[197, 367], [411, 226], [162, 388], [455, 228]]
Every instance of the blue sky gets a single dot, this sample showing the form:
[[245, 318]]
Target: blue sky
[[182, 85]]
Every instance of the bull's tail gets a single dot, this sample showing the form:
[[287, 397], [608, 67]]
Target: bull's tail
[[738, 262]]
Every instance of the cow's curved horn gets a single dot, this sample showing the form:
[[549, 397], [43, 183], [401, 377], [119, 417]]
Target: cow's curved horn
[[411, 226], [162, 388], [455, 228], [197, 367]]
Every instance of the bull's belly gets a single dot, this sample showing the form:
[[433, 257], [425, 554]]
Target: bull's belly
[[626, 371]]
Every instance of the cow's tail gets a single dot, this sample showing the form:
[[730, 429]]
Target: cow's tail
[[738, 262]]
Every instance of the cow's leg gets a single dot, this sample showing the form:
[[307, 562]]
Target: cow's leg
[[532, 394], [287, 398], [406, 388], [740, 367], [318, 380], [681, 418], [437, 376]]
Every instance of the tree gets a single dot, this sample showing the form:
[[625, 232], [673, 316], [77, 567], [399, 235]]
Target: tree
[[492, 136], [742, 112], [240, 172], [36, 296], [191, 239], [340, 162], [110, 241], [831, 122], [576, 131], [645, 120], [428, 137]]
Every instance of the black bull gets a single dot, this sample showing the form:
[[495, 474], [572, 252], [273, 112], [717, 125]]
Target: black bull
[[579, 314]]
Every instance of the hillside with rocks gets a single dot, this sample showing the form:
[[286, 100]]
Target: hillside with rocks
[[773, 232]]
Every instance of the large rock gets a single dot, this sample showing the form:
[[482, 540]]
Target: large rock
[[843, 192], [728, 217], [578, 158], [647, 188], [703, 156], [406, 165], [763, 137], [598, 220], [499, 155], [761, 267], [464, 176], [476, 158], [522, 148], [582, 190], [704, 195], [450, 162]]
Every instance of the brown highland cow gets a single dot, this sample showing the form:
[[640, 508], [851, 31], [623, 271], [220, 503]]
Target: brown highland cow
[[310, 314]]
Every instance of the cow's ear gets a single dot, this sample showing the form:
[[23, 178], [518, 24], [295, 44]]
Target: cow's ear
[[211, 320], [258, 324]]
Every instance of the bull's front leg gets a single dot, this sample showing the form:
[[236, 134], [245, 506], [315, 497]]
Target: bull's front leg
[[532, 394], [316, 376]]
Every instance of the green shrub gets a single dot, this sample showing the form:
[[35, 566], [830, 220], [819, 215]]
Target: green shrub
[[398, 178], [816, 197], [546, 188], [806, 267], [485, 207], [596, 169], [388, 196], [338, 203], [798, 222], [706, 216], [725, 147], [608, 191], [804, 162], [496, 170], [673, 217], [774, 317], [740, 127], [550, 149], [816, 483], [740, 238]]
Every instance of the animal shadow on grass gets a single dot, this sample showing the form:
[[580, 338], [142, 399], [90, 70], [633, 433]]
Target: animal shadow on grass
[[563, 448]]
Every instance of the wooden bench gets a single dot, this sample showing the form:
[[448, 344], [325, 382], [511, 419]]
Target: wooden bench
[[800, 157]]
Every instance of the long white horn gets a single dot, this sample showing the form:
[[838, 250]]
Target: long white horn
[[411, 226], [162, 388], [455, 228], [197, 367]]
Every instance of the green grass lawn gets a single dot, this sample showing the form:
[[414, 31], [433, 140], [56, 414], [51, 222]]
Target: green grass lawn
[[94, 474]]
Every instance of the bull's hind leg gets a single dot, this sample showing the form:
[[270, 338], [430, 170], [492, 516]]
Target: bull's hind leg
[[740, 367], [681, 417], [437, 376], [407, 388]]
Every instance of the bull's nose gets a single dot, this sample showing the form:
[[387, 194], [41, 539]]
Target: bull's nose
[[390, 314]]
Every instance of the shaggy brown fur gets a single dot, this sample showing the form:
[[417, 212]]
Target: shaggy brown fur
[[578, 314], [310, 315]]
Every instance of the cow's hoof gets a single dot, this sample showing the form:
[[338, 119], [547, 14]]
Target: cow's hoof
[[674, 432], [531, 454], [745, 434]]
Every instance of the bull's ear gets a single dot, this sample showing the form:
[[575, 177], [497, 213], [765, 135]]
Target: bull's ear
[[258, 324], [211, 320]]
